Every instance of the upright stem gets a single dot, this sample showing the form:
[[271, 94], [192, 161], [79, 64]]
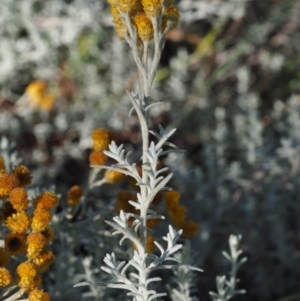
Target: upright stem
[[15, 296]]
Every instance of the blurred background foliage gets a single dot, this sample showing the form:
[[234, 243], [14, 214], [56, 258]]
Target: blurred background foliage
[[229, 79]]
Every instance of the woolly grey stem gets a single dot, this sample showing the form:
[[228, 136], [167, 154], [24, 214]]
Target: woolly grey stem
[[15, 296]]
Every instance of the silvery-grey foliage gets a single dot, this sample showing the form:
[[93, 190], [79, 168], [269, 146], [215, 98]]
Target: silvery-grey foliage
[[226, 288]]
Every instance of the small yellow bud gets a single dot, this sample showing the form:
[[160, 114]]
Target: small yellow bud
[[100, 136], [23, 175], [177, 215], [43, 260], [19, 199], [41, 219], [18, 223], [189, 229], [47, 200], [7, 183], [144, 27], [35, 243], [38, 295], [97, 158], [48, 234], [170, 18], [112, 176], [172, 199], [5, 277], [126, 5], [74, 195], [152, 8]]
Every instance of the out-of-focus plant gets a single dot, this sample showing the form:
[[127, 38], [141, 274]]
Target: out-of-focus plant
[[226, 289]]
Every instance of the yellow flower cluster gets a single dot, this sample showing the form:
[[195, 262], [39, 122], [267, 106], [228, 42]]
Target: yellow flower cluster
[[177, 214], [74, 195], [28, 233], [101, 139], [140, 13], [38, 95]]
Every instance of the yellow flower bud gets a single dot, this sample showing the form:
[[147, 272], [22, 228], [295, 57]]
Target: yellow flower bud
[[144, 27], [19, 199], [18, 223], [152, 8], [97, 158], [170, 18], [172, 199], [177, 215], [47, 200], [5, 277], [7, 183], [112, 176], [100, 136], [43, 260], [23, 175], [35, 243], [190, 229], [48, 234], [38, 295], [126, 5], [41, 219], [74, 195]]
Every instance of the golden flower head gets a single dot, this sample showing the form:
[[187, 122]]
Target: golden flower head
[[190, 229], [170, 18], [112, 176], [48, 234], [29, 278], [44, 260], [30, 284], [38, 96], [41, 219], [19, 199], [35, 243], [23, 175], [74, 195], [4, 257], [2, 166], [144, 26], [177, 215], [47, 200], [97, 158], [38, 295], [7, 210], [126, 5], [7, 183], [26, 270], [116, 17], [101, 139], [172, 198], [14, 243], [5, 277], [18, 223], [152, 8]]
